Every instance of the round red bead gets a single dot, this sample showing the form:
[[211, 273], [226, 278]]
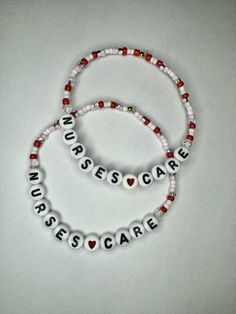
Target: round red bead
[[95, 54], [68, 87], [180, 84], [163, 209], [124, 51], [37, 143], [170, 198], [147, 121], [169, 155], [185, 95], [136, 52], [65, 101], [159, 63], [190, 137], [192, 125], [33, 156], [101, 104], [84, 61], [148, 57], [113, 104], [157, 130]]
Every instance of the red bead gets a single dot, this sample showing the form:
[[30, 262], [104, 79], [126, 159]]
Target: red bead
[[101, 104], [124, 51], [37, 143], [68, 88], [169, 155], [163, 209], [95, 54], [180, 84], [113, 104], [157, 130], [192, 125], [190, 137], [84, 61], [170, 198], [159, 63], [136, 52], [185, 95], [33, 156], [148, 57], [146, 122], [65, 101]]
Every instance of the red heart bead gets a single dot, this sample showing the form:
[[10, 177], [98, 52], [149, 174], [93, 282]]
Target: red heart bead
[[92, 244], [130, 181]]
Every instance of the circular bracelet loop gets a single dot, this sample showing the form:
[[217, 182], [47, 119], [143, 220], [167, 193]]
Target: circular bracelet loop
[[76, 239]]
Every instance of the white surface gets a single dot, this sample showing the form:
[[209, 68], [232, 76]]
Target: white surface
[[188, 265]]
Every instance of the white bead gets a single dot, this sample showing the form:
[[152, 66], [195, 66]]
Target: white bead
[[107, 241], [159, 172], [76, 240], [114, 177], [181, 153], [91, 242], [67, 121], [145, 179], [136, 230], [37, 192], [99, 173], [123, 237], [150, 223], [35, 176], [41, 208], [172, 165], [69, 137], [86, 164], [77, 150], [51, 220], [61, 232], [130, 181]]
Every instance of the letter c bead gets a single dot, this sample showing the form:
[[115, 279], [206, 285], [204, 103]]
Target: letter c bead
[[107, 241]]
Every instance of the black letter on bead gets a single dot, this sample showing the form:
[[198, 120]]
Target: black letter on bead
[[41, 207], [49, 222], [123, 239], [137, 231], [78, 149], [76, 239], [172, 164], [87, 162], [33, 176], [115, 176], [107, 246], [146, 178], [160, 172], [36, 192], [60, 233], [67, 120], [99, 172], [151, 224], [69, 136], [182, 153]]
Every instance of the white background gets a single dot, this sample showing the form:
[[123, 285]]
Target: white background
[[188, 265]]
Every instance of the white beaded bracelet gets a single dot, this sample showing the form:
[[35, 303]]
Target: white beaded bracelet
[[76, 239], [66, 101], [115, 177]]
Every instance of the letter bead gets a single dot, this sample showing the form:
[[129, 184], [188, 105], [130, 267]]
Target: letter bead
[[41, 208], [76, 240], [145, 179], [61, 232], [130, 181], [37, 192], [181, 153], [91, 242], [123, 237], [159, 172], [136, 230], [35, 176], [99, 173], [51, 220], [69, 137], [86, 164], [77, 150], [172, 165], [114, 177], [150, 223], [67, 121], [107, 241]]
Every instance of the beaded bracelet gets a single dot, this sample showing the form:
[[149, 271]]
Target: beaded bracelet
[[67, 107], [115, 177], [76, 239]]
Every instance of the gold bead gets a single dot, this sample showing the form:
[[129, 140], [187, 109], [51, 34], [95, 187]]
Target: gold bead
[[141, 55], [130, 109]]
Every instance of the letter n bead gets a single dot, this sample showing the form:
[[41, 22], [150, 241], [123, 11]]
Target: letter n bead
[[67, 121]]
